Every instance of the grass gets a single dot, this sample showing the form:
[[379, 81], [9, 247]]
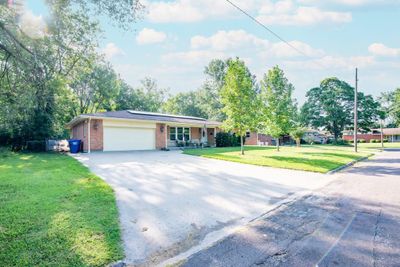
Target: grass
[[317, 158], [375, 146], [54, 212]]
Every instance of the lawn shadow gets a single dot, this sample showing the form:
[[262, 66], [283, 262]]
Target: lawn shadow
[[327, 165], [339, 155]]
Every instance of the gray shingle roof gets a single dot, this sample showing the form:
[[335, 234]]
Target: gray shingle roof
[[389, 131], [151, 116]]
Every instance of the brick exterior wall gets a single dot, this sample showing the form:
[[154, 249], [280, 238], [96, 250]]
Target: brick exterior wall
[[80, 131], [195, 133], [366, 137], [252, 140], [161, 131], [96, 135]]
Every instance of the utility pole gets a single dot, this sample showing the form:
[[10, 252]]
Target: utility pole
[[382, 134], [355, 112]]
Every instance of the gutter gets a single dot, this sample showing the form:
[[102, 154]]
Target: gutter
[[79, 118]]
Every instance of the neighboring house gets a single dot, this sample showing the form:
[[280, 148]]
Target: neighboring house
[[137, 130], [316, 136], [254, 138], [391, 134]]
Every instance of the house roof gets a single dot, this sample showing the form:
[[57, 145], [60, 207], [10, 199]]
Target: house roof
[[389, 131], [144, 116]]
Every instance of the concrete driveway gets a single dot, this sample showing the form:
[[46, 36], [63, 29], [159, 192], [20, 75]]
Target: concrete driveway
[[170, 202]]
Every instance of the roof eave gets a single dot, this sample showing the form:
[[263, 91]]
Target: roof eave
[[81, 118]]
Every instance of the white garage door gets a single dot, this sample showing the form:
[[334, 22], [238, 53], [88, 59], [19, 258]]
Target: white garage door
[[125, 138]]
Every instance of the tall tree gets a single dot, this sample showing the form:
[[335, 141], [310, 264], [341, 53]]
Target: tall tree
[[38, 64], [278, 106], [239, 97], [209, 93], [95, 89], [369, 112], [187, 104], [329, 106], [396, 106], [390, 102], [147, 97]]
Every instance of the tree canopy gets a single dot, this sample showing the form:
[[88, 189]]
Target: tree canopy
[[331, 107], [277, 108], [239, 97], [49, 74]]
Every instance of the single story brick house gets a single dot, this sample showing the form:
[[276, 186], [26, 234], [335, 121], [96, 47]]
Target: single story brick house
[[391, 134], [256, 139], [128, 130]]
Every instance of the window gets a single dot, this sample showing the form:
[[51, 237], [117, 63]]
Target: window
[[187, 134], [247, 134], [180, 133], [172, 133]]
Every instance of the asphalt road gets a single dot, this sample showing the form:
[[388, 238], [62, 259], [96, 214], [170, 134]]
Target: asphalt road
[[353, 221]]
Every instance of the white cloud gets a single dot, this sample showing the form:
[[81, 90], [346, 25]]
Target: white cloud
[[283, 12], [241, 42], [379, 49], [282, 50], [330, 63], [177, 11], [195, 10], [193, 58], [150, 36], [31, 25], [223, 40], [111, 50], [354, 3], [300, 16]]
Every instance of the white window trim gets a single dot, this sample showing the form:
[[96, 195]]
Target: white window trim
[[183, 133]]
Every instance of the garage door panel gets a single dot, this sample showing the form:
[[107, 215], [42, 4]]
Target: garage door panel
[[126, 138]]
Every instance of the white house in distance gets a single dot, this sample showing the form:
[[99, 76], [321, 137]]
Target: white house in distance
[[316, 136]]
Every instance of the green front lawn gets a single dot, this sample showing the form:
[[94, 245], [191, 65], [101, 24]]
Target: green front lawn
[[318, 158], [54, 212], [375, 146]]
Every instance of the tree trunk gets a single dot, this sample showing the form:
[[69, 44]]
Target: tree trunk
[[241, 145], [277, 144], [298, 142]]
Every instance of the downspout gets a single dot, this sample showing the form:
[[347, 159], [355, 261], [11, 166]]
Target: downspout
[[89, 137], [166, 136]]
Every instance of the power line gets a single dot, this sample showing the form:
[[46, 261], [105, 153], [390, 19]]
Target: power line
[[271, 31]]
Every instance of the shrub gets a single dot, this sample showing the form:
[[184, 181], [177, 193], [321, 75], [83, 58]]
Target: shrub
[[339, 142], [36, 146], [223, 139], [375, 140], [385, 140], [361, 141]]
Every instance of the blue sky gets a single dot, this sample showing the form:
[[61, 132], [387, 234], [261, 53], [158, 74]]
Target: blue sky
[[177, 38]]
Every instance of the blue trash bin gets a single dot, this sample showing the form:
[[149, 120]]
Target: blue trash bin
[[74, 145]]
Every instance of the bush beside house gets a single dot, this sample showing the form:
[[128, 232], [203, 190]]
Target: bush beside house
[[223, 139]]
